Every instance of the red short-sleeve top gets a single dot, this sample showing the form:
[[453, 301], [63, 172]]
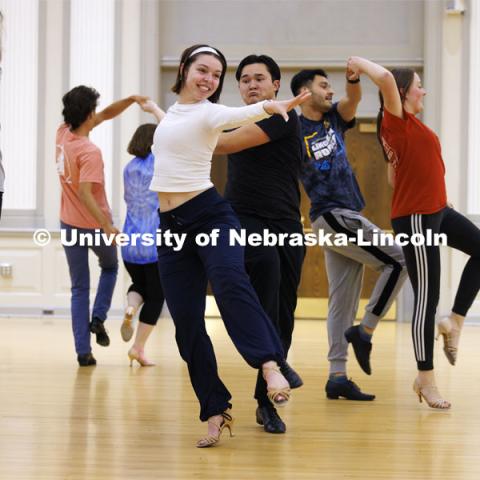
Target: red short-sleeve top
[[415, 153]]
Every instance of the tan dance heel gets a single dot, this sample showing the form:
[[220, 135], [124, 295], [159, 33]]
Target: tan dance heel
[[211, 440], [449, 330], [431, 395], [134, 354], [278, 396]]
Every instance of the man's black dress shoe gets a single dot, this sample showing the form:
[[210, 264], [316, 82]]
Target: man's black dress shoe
[[268, 417], [97, 327], [361, 347], [346, 389], [292, 377], [86, 360]]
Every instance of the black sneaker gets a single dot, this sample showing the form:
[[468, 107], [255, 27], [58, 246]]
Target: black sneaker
[[292, 377], [346, 389], [97, 327], [269, 418], [361, 347], [86, 360]]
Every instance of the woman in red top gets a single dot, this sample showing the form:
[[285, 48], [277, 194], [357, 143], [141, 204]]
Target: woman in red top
[[417, 174]]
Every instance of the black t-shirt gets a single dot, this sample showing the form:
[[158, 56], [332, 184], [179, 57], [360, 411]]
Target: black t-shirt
[[263, 180]]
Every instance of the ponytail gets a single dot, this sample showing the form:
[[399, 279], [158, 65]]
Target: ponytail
[[403, 79], [379, 126]]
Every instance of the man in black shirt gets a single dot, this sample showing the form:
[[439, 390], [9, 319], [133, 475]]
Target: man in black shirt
[[264, 162]]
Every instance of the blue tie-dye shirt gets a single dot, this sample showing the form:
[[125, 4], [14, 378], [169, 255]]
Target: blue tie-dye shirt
[[142, 209], [327, 175]]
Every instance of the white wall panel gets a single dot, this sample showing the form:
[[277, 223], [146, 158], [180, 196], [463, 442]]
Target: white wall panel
[[61, 280], [18, 102], [27, 271], [296, 32]]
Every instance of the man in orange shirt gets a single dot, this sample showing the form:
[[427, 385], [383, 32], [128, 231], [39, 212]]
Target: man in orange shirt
[[85, 209]]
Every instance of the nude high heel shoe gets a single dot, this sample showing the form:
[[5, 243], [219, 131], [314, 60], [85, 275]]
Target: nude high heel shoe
[[450, 331], [134, 354], [431, 395], [211, 440]]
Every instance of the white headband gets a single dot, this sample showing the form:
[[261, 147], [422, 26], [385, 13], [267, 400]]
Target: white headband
[[204, 50]]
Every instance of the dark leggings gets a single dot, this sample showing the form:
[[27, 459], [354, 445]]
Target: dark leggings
[[146, 282], [423, 265], [275, 274]]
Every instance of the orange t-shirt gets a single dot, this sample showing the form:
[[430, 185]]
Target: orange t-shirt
[[415, 154], [79, 160]]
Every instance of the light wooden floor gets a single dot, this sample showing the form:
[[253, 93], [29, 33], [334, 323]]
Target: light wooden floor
[[58, 421]]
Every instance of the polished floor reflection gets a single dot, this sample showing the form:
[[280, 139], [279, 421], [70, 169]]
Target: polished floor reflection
[[112, 421]]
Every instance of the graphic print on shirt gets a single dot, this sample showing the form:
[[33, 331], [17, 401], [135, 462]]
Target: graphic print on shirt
[[61, 158], [322, 150], [390, 153]]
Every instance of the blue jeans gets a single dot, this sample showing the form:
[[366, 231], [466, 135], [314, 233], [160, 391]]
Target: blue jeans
[[77, 258]]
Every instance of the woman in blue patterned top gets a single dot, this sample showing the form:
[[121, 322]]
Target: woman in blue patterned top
[[141, 260]]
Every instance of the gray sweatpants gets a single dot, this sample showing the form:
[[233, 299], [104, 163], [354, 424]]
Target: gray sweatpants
[[345, 265]]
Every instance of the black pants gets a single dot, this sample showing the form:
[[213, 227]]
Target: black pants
[[146, 282], [184, 275], [275, 275], [423, 265], [1, 199]]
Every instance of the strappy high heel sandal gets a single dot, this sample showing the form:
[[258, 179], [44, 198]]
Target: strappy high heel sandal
[[211, 440], [134, 354], [431, 395], [279, 397], [450, 331]]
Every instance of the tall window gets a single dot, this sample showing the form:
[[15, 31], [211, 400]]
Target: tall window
[[473, 204], [18, 102]]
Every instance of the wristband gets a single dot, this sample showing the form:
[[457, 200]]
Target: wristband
[[357, 80]]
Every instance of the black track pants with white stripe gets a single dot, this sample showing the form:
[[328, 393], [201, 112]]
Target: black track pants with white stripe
[[423, 265]]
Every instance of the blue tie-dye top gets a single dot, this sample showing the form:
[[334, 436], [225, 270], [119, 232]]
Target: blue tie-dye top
[[142, 209], [327, 175]]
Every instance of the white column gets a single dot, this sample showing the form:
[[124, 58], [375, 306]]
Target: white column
[[451, 136], [473, 200], [92, 63], [18, 99], [54, 82]]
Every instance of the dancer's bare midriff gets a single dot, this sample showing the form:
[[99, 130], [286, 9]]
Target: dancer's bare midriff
[[170, 200]]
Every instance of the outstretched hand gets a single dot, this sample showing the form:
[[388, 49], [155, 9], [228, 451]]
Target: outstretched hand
[[282, 107]]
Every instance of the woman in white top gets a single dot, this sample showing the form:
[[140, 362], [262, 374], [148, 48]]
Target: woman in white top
[[189, 205]]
